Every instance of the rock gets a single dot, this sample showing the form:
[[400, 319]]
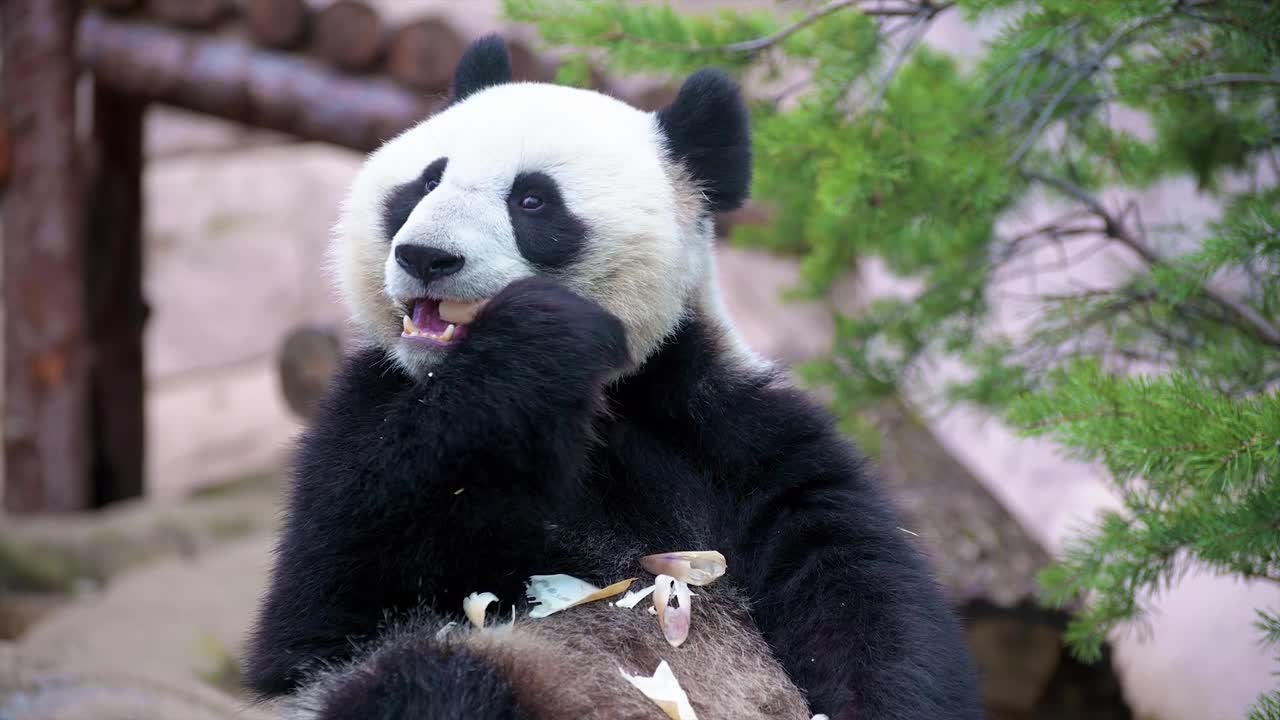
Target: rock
[[981, 552], [162, 642], [19, 611], [36, 687], [68, 552]]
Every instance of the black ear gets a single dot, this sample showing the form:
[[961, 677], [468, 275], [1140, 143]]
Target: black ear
[[485, 64], [708, 129]]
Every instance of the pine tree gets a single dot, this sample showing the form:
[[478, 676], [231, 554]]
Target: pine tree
[[889, 149]]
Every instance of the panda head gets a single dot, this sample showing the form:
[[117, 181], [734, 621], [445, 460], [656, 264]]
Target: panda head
[[518, 179]]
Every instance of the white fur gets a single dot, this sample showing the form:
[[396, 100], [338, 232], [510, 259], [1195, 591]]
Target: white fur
[[648, 256]]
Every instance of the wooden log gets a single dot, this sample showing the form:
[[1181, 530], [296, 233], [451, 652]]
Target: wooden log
[[423, 54], [309, 359], [116, 310], [527, 65], [195, 14], [116, 6], [649, 99], [46, 420], [748, 215], [349, 34], [233, 81], [278, 24]]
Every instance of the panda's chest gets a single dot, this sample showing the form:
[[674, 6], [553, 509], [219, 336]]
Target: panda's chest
[[648, 486]]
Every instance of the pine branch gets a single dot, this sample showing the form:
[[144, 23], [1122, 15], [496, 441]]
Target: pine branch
[[1240, 315], [1267, 707], [1225, 79], [758, 45], [834, 6], [1085, 71], [920, 25], [1236, 80]]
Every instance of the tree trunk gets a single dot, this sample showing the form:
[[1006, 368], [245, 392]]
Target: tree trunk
[[46, 455], [116, 309]]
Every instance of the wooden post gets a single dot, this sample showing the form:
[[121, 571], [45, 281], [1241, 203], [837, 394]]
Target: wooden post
[[6, 153], [46, 456], [116, 311]]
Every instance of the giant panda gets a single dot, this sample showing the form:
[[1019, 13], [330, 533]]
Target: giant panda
[[598, 408]]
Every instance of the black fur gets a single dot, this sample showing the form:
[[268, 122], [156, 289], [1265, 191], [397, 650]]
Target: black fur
[[551, 482], [708, 128], [404, 198], [376, 520], [485, 63], [551, 237], [422, 681]]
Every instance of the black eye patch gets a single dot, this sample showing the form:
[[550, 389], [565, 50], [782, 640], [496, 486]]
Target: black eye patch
[[404, 198], [547, 234]]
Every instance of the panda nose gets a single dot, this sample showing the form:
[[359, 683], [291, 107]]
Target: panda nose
[[427, 263]]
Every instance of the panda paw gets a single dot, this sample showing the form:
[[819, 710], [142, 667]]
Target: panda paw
[[543, 317]]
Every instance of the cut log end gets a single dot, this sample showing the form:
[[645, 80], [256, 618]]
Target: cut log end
[[423, 54], [196, 14], [117, 6], [349, 34], [528, 66], [277, 24], [651, 98], [308, 361]]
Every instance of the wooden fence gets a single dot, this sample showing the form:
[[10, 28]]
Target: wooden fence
[[71, 165]]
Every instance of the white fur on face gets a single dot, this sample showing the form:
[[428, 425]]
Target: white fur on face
[[648, 253]]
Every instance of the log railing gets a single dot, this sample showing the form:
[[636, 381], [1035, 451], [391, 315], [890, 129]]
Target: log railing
[[333, 71]]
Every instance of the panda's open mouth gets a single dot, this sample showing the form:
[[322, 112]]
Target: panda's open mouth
[[439, 322]]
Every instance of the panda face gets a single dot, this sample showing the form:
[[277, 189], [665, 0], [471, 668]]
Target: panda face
[[517, 179]]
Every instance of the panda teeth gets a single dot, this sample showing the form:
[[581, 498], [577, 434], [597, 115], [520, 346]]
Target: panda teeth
[[412, 330]]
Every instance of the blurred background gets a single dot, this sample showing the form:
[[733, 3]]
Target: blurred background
[[975, 224]]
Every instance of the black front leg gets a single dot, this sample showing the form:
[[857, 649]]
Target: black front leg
[[844, 600], [420, 491]]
